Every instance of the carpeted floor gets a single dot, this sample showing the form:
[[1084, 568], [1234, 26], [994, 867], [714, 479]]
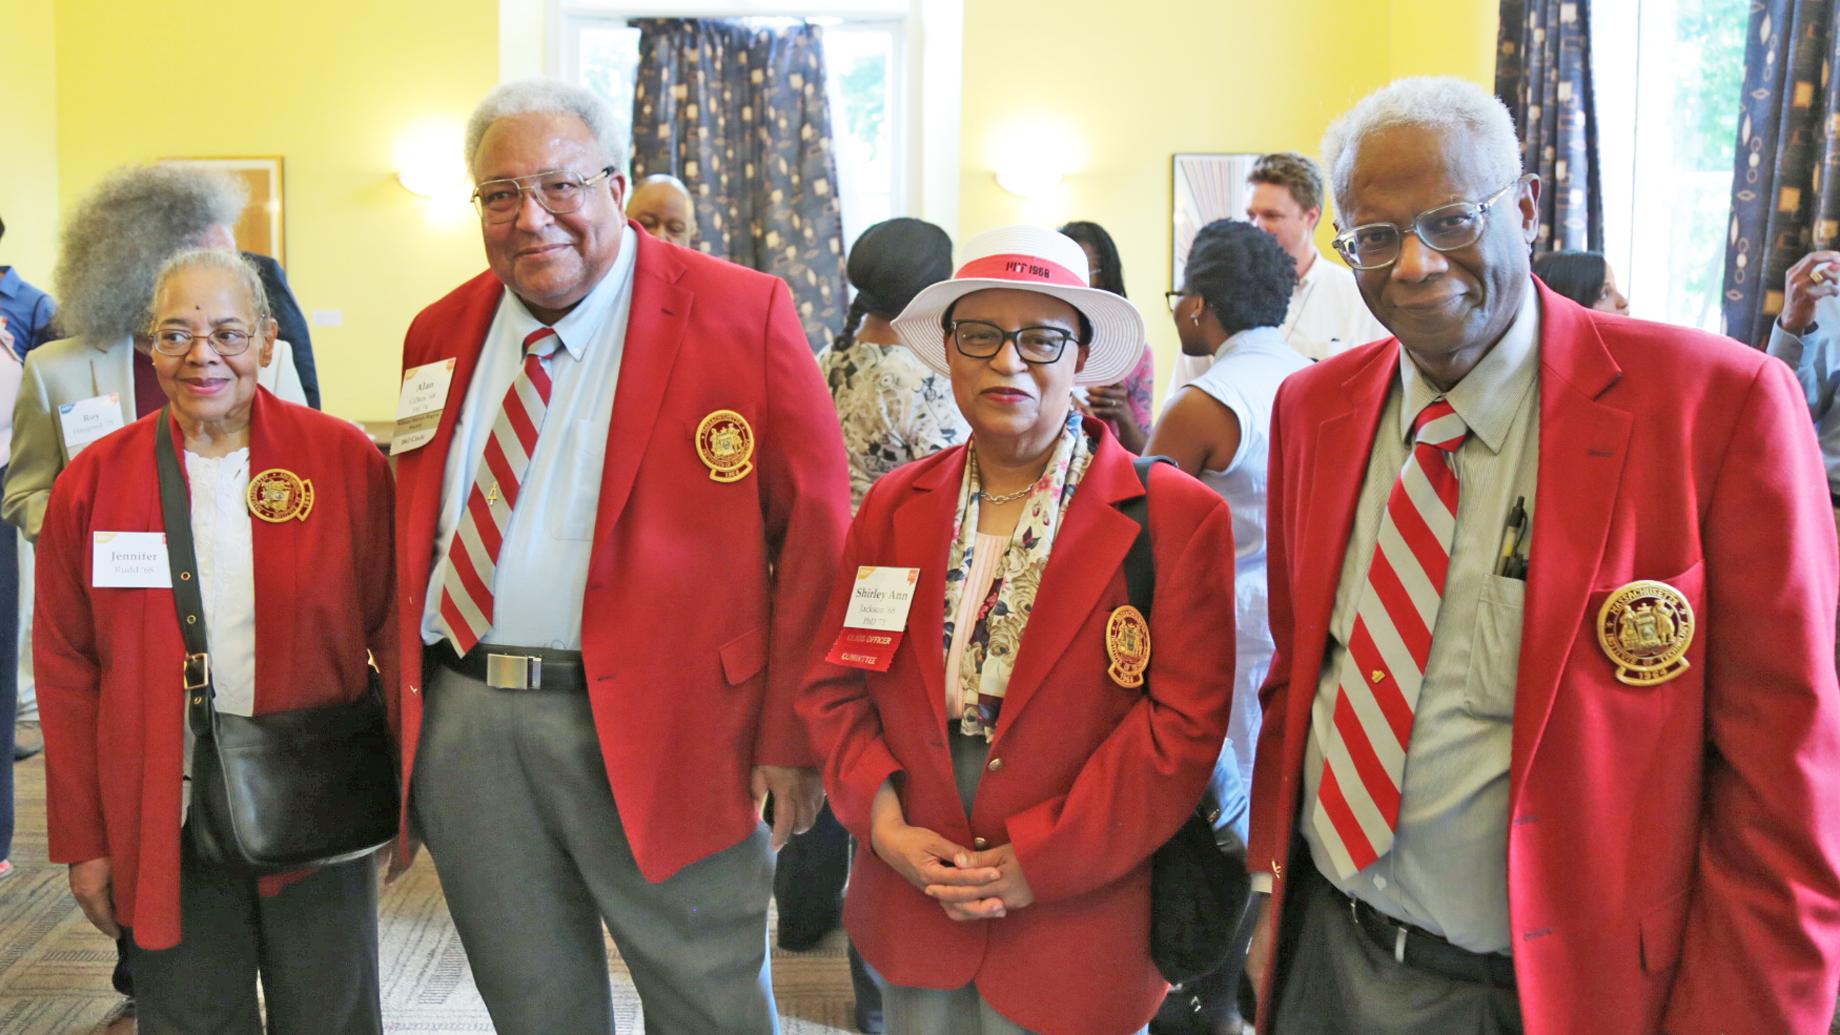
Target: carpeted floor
[[54, 967]]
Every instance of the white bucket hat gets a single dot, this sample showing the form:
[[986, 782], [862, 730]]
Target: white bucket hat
[[1029, 258]]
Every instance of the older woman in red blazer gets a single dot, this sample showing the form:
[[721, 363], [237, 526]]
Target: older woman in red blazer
[[291, 609], [1009, 767]]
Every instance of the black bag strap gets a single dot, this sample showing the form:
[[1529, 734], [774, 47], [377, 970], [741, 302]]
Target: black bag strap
[[1140, 577], [1139, 563], [182, 558]]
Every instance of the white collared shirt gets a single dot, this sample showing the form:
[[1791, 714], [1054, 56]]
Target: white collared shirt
[[543, 564]]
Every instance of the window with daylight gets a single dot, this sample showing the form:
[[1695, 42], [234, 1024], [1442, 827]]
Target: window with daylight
[[864, 77], [1665, 144]]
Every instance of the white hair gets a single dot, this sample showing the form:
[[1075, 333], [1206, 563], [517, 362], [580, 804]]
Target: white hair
[[212, 258], [1441, 103], [548, 97]]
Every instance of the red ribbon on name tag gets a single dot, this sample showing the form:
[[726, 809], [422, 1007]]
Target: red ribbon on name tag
[[864, 648]]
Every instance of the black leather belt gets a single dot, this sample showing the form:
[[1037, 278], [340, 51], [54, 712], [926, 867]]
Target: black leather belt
[[1421, 950], [516, 668]]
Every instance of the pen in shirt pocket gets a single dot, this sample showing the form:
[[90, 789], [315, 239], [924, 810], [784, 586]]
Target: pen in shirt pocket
[[1510, 564]]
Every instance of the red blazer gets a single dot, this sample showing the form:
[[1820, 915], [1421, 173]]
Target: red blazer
[[1671, 849], [1095, 775], [701, 596], [107, 660]]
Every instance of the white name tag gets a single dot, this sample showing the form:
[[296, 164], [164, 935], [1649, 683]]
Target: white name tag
[[418, 410], [87, 420], [130, 560], [880, 598]]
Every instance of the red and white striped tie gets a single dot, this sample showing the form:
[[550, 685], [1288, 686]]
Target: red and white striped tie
[[1364, 755], [472, 557]]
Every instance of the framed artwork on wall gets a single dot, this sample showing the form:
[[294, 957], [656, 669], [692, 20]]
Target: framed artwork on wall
[[1204, 187], [261, 229]]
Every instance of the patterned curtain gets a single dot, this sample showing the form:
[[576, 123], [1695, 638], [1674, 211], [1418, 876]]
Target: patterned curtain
[[742, 117], [1543, 75], [1785, 198]]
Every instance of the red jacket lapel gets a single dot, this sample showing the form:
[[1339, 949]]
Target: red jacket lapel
[[1088, 554], [923, 539], [462, 335], [654, 333], [1583, 445]]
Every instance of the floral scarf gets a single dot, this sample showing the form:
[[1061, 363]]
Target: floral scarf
[[990, 651]]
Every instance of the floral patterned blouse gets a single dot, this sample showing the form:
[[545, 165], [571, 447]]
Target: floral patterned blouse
[[1139, 384], [892, 408]]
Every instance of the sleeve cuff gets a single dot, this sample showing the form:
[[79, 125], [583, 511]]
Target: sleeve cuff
[[1261, 882]]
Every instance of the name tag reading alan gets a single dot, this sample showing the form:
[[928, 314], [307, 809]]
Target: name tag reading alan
[[130, 560], [873, 625], [87, 420], [418, 410]]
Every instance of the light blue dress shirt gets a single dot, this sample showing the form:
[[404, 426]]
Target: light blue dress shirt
[[1815, 358], [543, 564]]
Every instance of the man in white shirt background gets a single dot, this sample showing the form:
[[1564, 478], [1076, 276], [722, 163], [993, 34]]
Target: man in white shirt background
[[1327, 314]]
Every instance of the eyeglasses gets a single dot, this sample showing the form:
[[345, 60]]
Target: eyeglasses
[[1445, 229], [559, 191], [1036, 345], [227, 341], [1174, 298]]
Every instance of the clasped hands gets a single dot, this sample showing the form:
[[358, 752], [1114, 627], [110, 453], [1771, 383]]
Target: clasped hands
[[968, 885]]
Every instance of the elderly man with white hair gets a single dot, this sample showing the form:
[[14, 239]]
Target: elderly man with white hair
[[1551, 733], [621, 496]]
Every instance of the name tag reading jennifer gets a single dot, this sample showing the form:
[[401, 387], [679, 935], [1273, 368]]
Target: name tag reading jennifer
[[87, 420], [130, 560], [873, 625], [418, 410]]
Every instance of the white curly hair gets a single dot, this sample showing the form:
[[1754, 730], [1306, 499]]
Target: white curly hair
[[1441, 103], [548, 97]]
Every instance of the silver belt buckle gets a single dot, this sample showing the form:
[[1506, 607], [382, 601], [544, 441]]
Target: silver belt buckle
[[514, 672]]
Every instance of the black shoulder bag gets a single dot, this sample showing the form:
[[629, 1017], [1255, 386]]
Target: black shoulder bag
[[282, 791], [1198, 890]]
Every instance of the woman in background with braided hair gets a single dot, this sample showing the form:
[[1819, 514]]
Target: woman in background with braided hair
[[893, 408]]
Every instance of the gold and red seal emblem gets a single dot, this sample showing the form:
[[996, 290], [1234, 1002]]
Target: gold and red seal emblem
[[278, 495], [1646, 627], [1127, 643], [725, 444]]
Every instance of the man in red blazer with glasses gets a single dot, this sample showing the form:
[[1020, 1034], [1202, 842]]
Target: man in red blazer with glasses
[[622, 494], [1550, 739]]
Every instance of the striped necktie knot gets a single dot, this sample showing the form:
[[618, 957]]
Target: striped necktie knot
[[1438, 426], [541, 342]]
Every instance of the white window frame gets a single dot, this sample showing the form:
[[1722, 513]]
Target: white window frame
[[928, 72]]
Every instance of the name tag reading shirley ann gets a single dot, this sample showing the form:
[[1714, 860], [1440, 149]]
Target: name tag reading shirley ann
[[873, 625], [130, 560]]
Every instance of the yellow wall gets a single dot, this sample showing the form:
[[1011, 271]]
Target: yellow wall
[[28, 126], [331, 85], [1124, 93], [335, 85]]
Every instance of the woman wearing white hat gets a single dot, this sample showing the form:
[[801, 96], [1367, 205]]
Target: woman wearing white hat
[[1007, 737]]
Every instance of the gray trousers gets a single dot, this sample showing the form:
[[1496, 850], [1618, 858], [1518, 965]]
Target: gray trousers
[[1340, 983], [511, 798], [314, 946]]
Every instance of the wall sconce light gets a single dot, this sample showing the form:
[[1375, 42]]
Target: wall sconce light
[[1027, 179], [427, 162]]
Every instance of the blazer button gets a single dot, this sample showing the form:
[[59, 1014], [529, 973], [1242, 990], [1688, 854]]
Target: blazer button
[[995, 765], [979, 843]]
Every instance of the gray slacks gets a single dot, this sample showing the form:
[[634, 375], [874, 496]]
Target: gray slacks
[[512, 799], [314, 946], [1340, 983]]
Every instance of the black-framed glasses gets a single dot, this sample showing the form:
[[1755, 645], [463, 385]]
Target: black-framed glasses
[[226, 341], [1445, 229], [1174, 298], [559, 191], [981, 340]]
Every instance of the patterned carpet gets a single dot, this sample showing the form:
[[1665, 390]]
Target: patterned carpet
[[54, 967]]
